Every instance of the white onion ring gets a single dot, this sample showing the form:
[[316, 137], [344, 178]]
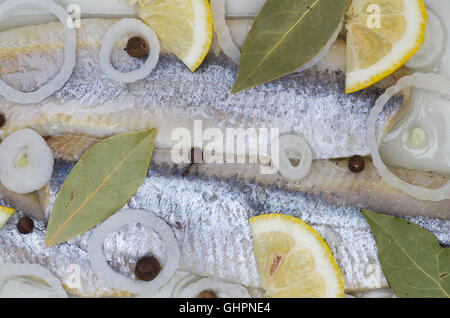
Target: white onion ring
[[130, 28], [433, 82], [246, 8], [63, 76], [224, 38], [323, 52], [221, 288], [39, 168], [226, 42], [177, 283], [115, 280], [296, 144], [428, 56], [31, 270], [374, 293]]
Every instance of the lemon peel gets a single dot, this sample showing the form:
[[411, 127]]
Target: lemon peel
[[382, 35], [293, 260]]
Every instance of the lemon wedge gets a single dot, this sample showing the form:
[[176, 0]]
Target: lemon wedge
[[293, 260], [184, 26], [5, 214], [381, 36]]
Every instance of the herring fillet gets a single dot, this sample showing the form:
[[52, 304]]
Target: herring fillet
[[328, 180], [312, 104], [209, 217]]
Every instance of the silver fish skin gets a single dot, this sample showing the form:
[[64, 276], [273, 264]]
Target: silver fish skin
[[329, 180], [311, 104], [209, 217]]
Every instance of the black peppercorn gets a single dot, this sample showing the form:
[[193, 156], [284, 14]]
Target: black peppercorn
[[137, 47], [147, 268], [25, 225], [356, 164], [2, 120], [207, 294]]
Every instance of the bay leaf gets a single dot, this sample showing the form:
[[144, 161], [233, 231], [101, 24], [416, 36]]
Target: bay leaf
[[413, 261], [285, 35], [104, 179]]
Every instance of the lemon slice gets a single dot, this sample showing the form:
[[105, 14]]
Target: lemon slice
[[381, 36], [185, 27], [293, 260], [5, 214]]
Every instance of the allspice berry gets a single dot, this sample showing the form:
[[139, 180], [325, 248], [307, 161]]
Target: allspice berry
[[25, 225], [2, 120], [137, 47], [147, 268], [207, 294], [356, 164]]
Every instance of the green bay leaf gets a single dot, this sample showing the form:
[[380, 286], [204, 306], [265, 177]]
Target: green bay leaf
[[104, 179], [411, 257], [285, 35]]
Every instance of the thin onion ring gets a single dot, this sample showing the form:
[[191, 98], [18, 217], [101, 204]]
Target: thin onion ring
[[63, 76], [323, 52], [428, 56], [226, 42], [283, 164], [129, 27], [216, 285], [114, 223], [177, 283], [224, 38], [32, 270], [433, 82]]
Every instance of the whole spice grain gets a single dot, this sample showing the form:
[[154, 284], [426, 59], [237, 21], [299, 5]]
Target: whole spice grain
[[25, 225], [207, 294], [2, 120], [147, 268], [356, 164], [137, 47]]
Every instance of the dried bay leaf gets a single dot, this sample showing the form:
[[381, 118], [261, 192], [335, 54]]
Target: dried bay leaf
[[285, 35], [411, 257], [104, 179]]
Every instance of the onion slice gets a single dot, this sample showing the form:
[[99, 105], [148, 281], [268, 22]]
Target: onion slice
[[229, 47], [224, 38], [26, 161], [293, 147], [63, 76], [115, 280], [247, 8], [434, 42], [323, 52], [31, 270], [179, 281], [433, 82], [221, 288], [374, 293], [130, 28]]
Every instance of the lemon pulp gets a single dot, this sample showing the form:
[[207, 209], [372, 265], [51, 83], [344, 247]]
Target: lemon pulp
[[293, 260], [381, 36], [184, 26]]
